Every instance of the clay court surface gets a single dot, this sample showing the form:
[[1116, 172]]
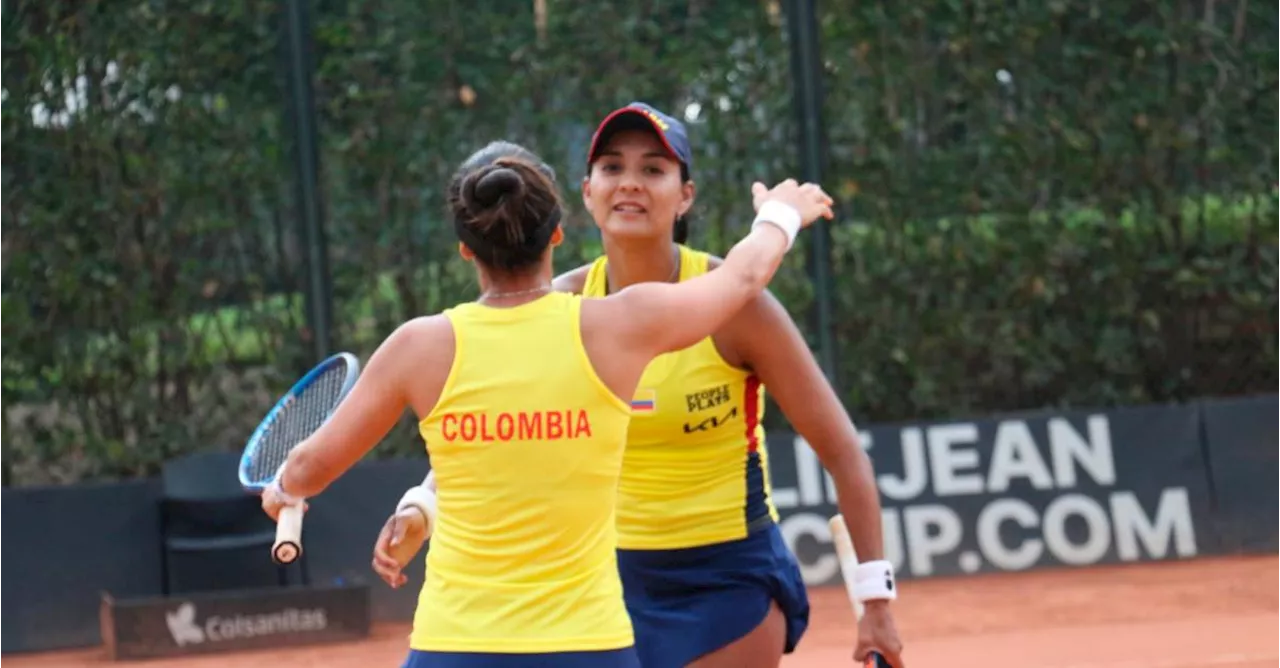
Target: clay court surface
[[1209, 612]]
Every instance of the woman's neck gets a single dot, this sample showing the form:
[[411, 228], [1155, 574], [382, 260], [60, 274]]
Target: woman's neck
[[641, 261], [513, 290]]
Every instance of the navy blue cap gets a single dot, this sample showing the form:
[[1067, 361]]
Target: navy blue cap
[[639, 115]]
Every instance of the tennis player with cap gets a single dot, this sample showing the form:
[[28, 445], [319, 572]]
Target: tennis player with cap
[[708, 579]]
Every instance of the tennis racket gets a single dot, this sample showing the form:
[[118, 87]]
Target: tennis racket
[[297, 415], [848, 570]]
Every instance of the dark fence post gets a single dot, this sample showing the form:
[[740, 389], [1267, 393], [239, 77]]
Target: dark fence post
[[306, 175], [5, 449], [806, 72]]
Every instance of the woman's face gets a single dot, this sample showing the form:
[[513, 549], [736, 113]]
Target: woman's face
[[634, 187]]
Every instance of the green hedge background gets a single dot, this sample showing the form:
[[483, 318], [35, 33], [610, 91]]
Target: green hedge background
[[1069, 203]]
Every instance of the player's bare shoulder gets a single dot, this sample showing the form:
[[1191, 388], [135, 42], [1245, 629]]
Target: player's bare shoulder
[[414, 361], [422, 338], [572, 281], [422, 350], [428, 326]]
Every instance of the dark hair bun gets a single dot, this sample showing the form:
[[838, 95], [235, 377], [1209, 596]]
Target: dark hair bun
[[491, 187], [505, 206]]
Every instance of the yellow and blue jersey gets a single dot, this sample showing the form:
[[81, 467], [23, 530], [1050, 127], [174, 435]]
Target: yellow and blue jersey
[[695, 471]]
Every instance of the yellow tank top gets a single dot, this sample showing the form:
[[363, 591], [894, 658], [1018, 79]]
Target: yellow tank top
[[696, 469], [526, 442]]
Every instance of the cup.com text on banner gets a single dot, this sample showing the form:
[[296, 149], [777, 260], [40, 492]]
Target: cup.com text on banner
[[1011, 493]]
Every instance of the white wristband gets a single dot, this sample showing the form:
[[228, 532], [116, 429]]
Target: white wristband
[[287, 498], [782, 216], [424, 501], [277, 488], [875, 582]]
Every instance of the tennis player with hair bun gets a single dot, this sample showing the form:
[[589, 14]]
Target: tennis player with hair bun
[[708, 579], [524, 565]]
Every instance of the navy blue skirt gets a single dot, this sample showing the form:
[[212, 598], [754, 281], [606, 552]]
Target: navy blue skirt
[[614, 658], [691, 602]]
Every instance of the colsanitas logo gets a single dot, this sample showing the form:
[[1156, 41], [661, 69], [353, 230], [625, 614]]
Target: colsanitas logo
[[182, 625], [185, 629]]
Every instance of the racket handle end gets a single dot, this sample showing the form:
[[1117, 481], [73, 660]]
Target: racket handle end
[[286, 553], [876, 660]]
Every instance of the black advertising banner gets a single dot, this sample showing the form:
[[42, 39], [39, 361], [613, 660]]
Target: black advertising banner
[[1001, 493], [1013, 492], [66, 544], [228, 621], [1244, 451]]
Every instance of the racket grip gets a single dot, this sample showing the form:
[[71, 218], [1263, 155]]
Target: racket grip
[[288, 545], [848, 558]]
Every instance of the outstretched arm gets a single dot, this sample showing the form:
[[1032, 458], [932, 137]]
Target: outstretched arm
[[655, 318]]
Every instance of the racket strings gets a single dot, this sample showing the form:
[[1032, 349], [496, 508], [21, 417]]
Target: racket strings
[[297, 420]]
